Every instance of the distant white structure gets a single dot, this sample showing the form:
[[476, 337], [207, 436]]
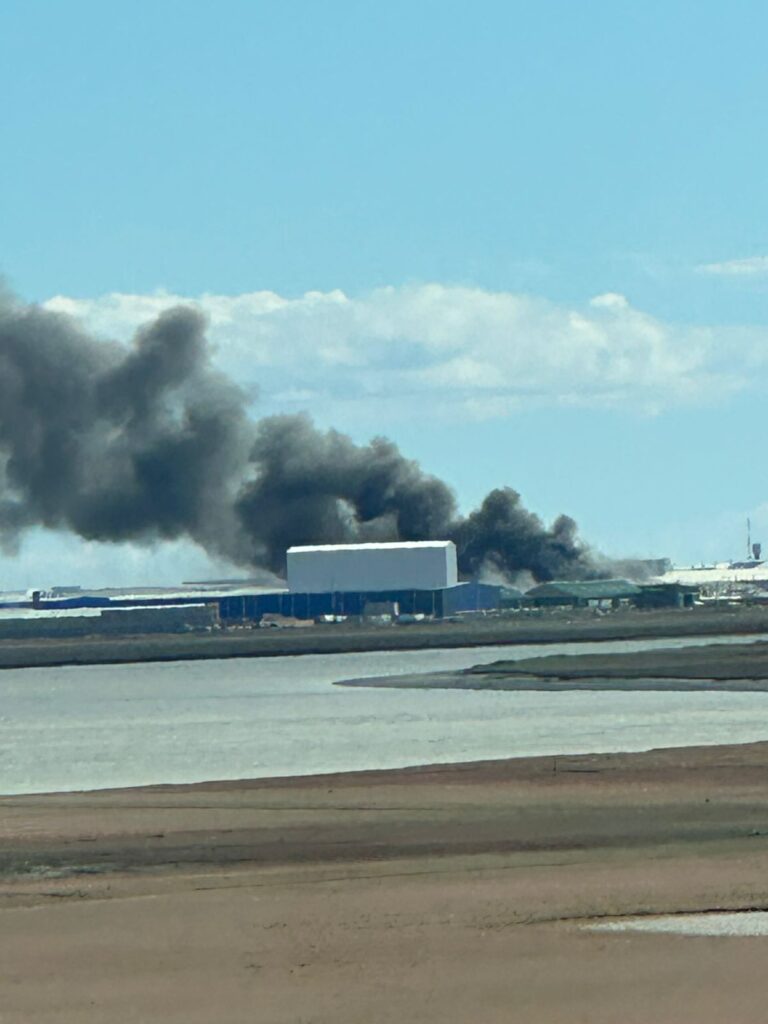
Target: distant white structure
[[725, 581], [336, 568], [721, 574], [741, 579]]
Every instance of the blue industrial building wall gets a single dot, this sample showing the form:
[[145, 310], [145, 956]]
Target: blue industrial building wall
[[466, 597], [471, 597], [312, 606]]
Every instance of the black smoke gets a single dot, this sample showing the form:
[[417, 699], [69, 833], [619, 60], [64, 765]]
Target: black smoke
[[504, 538], [148, 442], [319, 487], [115, 443]]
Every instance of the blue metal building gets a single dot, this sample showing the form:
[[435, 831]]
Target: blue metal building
[[245, 605], [465, 597]]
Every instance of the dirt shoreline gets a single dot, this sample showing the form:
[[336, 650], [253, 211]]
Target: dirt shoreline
[[477, 807], [450, 893], [555, 627]]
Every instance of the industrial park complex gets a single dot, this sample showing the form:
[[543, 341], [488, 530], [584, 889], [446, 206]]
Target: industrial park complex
[[383, 583]]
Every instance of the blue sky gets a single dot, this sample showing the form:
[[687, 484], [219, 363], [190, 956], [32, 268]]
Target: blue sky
[[520, 159]]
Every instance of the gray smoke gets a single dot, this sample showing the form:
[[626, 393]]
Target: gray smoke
[[311, 486], [116, 443], [504, 536], [148, 442]]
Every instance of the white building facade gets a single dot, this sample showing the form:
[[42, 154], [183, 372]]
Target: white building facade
[[336, 568]]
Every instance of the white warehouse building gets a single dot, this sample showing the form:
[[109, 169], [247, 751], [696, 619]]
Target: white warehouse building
[[338, 568]]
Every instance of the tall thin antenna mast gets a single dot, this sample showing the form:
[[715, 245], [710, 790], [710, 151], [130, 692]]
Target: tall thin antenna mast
[[749, 539]]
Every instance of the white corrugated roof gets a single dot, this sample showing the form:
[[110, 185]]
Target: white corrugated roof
[[197, 595], [53, 613], [388, 546], [163, 593], [89, 613]]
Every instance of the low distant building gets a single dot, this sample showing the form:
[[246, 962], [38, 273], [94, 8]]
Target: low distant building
[[471, 597], [582, 594], [667, 595], [726, 581], [28, 623]]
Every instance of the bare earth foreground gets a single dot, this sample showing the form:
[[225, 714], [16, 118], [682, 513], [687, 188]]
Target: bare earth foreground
[[445, 894]]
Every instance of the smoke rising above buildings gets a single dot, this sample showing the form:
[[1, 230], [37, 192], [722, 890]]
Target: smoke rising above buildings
[[149, 442]]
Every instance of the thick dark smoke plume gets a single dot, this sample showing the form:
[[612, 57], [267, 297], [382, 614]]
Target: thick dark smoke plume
[[149, 442], [504, 536], [118, 444], [314, 487]]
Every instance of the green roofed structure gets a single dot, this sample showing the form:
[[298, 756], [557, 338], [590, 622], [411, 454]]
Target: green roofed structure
[[582, 594]]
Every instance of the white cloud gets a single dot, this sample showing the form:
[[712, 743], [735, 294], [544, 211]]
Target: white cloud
[[610, 300], [441, 350], [752, 266]]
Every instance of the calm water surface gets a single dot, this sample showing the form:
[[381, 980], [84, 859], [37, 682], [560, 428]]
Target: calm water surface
[[119, 725], [736, 924]]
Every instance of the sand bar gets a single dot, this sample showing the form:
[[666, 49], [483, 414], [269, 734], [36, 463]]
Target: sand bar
[[450, 893]]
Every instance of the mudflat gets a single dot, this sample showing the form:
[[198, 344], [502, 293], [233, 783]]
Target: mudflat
[[455, 893], [729, 667]]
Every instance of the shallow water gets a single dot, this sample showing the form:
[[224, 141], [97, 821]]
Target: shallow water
[[119, 725], [738, 923]]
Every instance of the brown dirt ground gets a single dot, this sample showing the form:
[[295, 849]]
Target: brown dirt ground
[[444, 894]]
